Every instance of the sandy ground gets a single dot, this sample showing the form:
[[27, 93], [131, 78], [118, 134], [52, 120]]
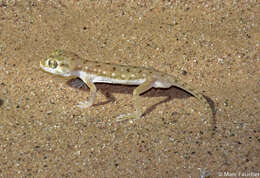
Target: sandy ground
[[211, 45]]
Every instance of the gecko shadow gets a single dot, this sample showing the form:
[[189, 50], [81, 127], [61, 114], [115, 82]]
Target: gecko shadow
[[1, 102], [108, 89], [214, 112]]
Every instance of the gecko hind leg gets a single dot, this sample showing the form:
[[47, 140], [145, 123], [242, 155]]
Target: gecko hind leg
[[137, 101], [148, 84]]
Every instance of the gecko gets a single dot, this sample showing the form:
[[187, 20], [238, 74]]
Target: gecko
[[67, 64]]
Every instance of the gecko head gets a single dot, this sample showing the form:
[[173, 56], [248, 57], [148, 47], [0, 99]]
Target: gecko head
[[60, 62]]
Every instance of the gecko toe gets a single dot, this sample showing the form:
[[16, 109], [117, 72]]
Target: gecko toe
[[84, 104], [132, 116]]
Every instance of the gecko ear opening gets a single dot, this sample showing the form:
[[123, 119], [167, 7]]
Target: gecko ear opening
[[52, 63]]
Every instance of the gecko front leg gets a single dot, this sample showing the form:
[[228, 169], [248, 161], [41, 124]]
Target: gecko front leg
[[93, 91], [138, 91]]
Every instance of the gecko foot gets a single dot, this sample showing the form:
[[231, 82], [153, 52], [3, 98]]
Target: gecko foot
[[127, 116], [84, 104]]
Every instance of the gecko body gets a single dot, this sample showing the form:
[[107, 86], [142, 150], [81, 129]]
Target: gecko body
[[67, 64]]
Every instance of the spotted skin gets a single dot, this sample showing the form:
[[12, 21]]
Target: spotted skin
[[67, 64]]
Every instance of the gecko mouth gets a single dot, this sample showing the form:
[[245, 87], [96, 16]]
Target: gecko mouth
[[55, 71], [47, 69], [42, 63]]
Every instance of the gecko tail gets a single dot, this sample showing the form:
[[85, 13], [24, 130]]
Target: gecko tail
[[205, 101]]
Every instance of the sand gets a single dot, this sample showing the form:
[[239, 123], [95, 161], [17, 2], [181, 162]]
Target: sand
[[211, 45]]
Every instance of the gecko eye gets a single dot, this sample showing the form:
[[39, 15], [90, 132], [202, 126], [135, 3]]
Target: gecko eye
[[52, 64]]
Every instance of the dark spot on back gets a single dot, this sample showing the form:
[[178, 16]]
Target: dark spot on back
[[62, 65], [98, 65], [140, 71], [184, 72], [128, 70], [114, 68]]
